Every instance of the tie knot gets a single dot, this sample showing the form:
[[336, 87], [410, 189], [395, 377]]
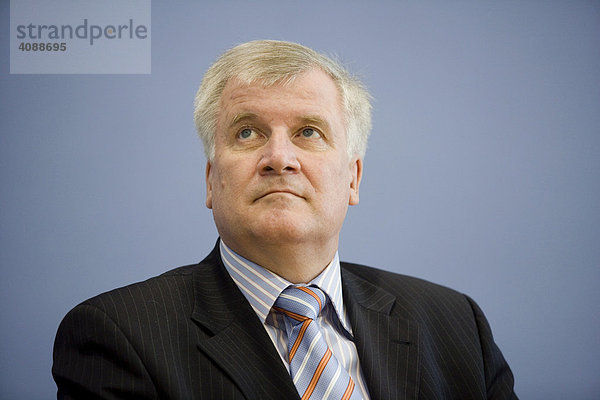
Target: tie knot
[[300, 303]]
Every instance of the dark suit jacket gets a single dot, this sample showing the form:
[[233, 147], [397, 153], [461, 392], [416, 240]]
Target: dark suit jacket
[[191, 334]]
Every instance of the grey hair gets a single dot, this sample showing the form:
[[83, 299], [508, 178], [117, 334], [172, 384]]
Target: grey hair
[[270, 62]]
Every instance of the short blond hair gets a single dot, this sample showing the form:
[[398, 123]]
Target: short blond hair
[[270, 62]]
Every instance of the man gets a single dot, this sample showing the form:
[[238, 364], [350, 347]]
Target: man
[[271, 313]]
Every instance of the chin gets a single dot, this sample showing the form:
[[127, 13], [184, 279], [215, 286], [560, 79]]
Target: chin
[[282, 231], [282, 227]]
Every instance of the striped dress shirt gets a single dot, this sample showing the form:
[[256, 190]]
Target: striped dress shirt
[[262, 287]]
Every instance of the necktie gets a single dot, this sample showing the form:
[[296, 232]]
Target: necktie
[[315, 371]]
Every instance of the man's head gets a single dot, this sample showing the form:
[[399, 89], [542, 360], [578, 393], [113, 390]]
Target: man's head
[[271, 61], [282, 167]]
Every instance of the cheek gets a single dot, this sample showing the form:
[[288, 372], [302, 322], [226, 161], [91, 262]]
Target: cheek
[[230, 180], [332, 182]]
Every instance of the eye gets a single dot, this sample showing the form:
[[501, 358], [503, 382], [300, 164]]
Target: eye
[[310, 133], [246, 133]]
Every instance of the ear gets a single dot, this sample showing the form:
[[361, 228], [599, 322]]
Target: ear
[[356, 167], [208, 184]]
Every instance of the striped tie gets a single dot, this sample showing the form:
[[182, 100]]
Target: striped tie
[[316, 372]]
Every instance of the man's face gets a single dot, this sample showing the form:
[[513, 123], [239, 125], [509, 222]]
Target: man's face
[[281, 173]]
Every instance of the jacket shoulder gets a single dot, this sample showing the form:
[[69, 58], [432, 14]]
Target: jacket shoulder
[[397, 283], [173, 288], [431, 305], [167, 294]]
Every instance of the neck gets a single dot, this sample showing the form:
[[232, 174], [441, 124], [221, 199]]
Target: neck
[[295, 262]]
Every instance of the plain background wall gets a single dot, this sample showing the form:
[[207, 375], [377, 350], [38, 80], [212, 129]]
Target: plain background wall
[[482, 174]]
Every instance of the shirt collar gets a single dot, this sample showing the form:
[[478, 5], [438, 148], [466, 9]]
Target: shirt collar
[[262, 287]]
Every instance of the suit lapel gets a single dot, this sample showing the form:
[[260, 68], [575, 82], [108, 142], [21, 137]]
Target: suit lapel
[[388, 346], [236, 340]]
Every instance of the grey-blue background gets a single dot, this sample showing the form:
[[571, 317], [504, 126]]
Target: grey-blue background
[[482, 173]]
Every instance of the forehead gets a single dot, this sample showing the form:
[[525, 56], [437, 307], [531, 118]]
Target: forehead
[[310, 93]]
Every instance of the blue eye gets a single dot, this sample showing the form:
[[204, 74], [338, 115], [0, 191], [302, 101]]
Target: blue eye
[[308, 132], [246, 133]]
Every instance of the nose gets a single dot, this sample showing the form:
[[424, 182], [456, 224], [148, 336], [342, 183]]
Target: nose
[[279, 155]]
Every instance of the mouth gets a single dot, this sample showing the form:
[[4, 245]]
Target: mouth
[[282, 192]]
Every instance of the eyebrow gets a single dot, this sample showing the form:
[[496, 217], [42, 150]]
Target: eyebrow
[[243, 116], [315, 120], [304, 119]]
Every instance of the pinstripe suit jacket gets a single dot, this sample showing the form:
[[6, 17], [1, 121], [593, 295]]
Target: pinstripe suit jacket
[[191, 334]]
